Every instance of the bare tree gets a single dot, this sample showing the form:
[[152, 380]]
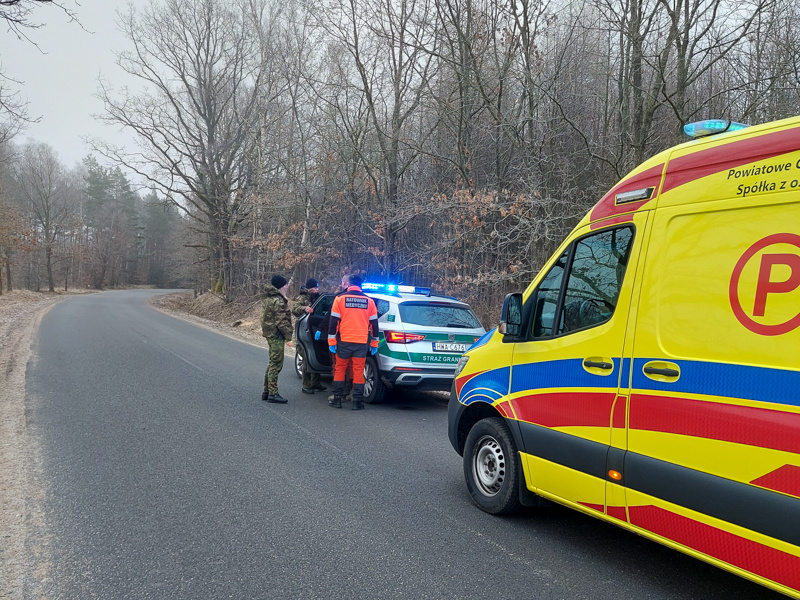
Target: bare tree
[[662, 49], [11, 226], [389, 64], [13, 109], [43, 187], [204, 67], [17, 15]]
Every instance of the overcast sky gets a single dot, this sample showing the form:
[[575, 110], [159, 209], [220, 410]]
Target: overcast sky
[[60, 77]]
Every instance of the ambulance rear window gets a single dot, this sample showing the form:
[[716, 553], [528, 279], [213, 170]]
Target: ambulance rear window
[[440, 314]]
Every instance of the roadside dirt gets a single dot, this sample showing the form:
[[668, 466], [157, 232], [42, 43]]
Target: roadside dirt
[[240, 319], [20, 492]]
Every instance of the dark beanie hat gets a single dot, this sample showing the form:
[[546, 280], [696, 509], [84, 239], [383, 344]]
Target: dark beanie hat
[[278, 281], [311, 283]]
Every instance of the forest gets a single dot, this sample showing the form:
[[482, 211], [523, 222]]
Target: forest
[[442, 143]]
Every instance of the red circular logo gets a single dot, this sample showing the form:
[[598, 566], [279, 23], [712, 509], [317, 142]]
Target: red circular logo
[[765, 286]]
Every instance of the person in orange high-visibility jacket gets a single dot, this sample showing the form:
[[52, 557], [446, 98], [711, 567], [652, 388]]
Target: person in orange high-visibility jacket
[[354, 319]]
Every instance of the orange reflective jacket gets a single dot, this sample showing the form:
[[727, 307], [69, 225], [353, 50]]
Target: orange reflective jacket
[[353, 316]]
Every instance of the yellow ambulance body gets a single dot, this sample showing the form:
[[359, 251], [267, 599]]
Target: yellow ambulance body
[[650, 374]]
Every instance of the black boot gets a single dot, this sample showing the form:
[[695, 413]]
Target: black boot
[[358, 396], [277, 399], [336, 402], [264, 396]]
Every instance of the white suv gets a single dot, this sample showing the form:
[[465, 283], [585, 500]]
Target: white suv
[[422, 337]]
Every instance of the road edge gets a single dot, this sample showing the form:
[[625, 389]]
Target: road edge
[[21, 493]]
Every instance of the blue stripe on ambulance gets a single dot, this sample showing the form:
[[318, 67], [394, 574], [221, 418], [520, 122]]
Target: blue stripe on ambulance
[[568, 373], [486, 387], [777, 386]]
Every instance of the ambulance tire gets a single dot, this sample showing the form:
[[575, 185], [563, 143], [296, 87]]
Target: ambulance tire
[[491, 468], [374, 388]]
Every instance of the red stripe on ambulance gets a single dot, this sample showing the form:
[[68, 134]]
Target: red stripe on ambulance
[[615, 512], [780, 567], [748, 425], [584, 409], [728, 156], [505, 409], [785, 480], [607, 207]]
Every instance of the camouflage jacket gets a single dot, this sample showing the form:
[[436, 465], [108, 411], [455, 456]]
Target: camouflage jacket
[[304, 298], [276, 320]]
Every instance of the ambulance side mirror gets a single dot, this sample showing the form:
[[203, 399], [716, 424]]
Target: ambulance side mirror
[[511, 317]]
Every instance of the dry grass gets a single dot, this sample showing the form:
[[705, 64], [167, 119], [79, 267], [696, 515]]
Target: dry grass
[[240, 319], [20, 495]]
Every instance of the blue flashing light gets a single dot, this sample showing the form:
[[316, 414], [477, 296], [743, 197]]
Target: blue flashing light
[[710, 127], [391, 288]]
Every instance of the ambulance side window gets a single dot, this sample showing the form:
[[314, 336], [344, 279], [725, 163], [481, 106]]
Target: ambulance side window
[[595, 278], [547, 299]]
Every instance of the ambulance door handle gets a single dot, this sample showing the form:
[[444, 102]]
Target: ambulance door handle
[[602, 366], [662, 371], [593, 364]]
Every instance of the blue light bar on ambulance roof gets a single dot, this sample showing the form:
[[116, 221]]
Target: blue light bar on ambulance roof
[[710, 127], [393, 288]]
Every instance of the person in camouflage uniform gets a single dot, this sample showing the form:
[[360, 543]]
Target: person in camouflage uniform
[[301, 306], [276, 327]]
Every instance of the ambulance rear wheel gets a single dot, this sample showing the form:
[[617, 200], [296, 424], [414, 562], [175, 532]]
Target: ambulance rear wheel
[[374, 389], [490, 467]]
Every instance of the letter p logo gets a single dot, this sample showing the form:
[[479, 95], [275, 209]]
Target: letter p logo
[[767, 286], [770, 283]]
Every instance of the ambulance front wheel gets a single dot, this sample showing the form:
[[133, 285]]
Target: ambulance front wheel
[[490, 467]]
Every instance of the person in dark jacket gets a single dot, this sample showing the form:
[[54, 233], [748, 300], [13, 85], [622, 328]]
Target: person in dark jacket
[[301, 306], [323, 334], [276, 327]]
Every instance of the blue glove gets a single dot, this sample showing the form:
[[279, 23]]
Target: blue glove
[[316, 335], [332, 349], [373, 351]]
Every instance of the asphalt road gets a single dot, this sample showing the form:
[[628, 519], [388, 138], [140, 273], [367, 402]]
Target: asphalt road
[[165, 476]]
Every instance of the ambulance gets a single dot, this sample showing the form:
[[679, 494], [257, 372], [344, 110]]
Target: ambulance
[[650, 373]]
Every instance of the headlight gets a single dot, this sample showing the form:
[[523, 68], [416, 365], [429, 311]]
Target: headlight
[[462, 362]]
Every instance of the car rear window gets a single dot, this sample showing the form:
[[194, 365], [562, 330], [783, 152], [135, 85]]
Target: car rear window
[[438, 314]]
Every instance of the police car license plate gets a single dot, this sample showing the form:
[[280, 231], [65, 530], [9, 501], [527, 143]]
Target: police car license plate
[[449, 347]]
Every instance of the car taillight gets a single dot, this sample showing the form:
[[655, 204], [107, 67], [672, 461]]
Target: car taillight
[[400, 337]]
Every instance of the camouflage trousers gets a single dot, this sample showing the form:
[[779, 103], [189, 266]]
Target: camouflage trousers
[[275, 365], [310, 380]]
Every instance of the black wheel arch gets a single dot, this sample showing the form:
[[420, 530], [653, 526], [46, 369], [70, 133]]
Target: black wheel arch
[[476, 411]]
